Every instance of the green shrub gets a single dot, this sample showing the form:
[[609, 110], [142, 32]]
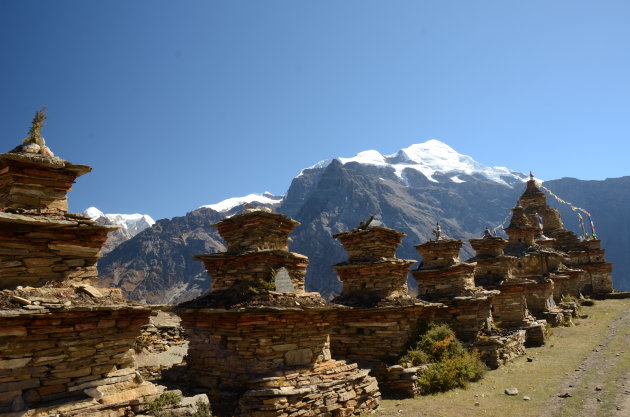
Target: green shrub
[[587, 302], [203, 410], [452, 366], [436, 344], [168, 399], [454, 372], [568, 299]]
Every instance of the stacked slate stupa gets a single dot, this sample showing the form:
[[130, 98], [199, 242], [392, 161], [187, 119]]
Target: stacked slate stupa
[[372, 274], [258, 342], [65, 346], [382, 320], [518, 276], [588, 272], [443, 278]]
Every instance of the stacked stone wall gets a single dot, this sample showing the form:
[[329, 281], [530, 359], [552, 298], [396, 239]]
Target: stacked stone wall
[[329, 389], [568, 283], [382, 279], [34, 251], [228, 349], [26, 181], [255, 268], [67, 354], [599, 277], [445, 282], [380, 336], [497, 350], [509, 308], [539, 297]]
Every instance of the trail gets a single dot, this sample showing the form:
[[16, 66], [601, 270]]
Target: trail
[[600, 386]]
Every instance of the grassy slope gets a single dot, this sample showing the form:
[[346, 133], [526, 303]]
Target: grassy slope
[[541, 379]]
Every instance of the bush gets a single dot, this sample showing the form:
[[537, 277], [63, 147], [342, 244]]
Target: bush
[[587, 302], [438, 343], [168, 399], [451, 373], [568, 299], [452, 366], [203, 410]]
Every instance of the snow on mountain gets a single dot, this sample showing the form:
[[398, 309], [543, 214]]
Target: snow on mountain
[[131, 223], [230, 203], [429, 158]]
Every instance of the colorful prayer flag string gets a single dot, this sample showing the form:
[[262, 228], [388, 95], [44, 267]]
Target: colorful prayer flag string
[[574, 208], [494, 231]]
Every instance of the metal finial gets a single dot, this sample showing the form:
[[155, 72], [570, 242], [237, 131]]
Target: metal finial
[[437, 232], [365, 224]]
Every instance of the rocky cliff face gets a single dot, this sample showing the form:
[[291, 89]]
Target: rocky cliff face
[[408, 191], [341, 195], [156, 266], [129, 225]]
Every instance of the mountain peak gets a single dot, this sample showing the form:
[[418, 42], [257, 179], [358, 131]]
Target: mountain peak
[[230, 203], [429, 158]]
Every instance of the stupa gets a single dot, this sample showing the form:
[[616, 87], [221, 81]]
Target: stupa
[[65, 346], [259, 343], [584, 253], [443, 278], [381, 320]]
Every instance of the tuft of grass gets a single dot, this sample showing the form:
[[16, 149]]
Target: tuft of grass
[[203, 410], [166, 400]]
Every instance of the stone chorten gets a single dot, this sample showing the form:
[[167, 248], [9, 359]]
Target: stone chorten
[[258, 342], [586, 255], [519, 269], [494, 271], [62, 341], [441, 274], [372, 272], [384, 320], [442, 277], [493, 266]]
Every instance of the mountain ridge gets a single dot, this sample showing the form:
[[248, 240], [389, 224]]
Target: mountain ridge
[[327, 198]]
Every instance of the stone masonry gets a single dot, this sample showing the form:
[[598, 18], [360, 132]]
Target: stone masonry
[[64, 345], [443, 278], [583, 254], [381, 320], [372, 272], [259, 344]]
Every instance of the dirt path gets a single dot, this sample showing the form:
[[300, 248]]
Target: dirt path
[[600, 386], [589, 361]]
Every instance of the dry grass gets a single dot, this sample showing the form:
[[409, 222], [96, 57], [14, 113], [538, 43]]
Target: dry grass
[[541, 379]]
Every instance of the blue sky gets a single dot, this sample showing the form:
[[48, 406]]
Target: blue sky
[[180, 104]]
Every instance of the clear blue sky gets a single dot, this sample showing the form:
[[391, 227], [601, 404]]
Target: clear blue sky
[[177, 104]]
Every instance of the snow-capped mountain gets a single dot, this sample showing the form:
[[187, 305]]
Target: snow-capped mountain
[[230, 203], [430, 158], [130, 225], [408, 191]]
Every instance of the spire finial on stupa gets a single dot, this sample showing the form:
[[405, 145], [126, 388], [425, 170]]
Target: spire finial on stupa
[[34, 143], [437, 232]]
